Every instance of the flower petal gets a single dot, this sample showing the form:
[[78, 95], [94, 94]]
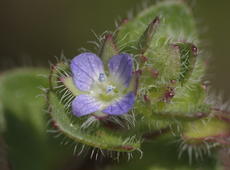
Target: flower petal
[[84, 105], [86, 69], [122, 106], [121, 68]]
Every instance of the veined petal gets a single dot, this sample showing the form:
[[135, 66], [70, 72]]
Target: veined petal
[[120, 67], [84, 105], [122, 106], [86, 69]]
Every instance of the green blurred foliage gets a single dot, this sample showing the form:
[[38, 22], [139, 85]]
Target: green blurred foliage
[[2, 119], [29, 145], [155, 156]]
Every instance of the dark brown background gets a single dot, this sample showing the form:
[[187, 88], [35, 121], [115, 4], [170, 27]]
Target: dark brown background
[[34, 31]]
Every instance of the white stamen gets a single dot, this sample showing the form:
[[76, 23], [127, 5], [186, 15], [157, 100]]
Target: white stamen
[[101, 77], [110, 89]]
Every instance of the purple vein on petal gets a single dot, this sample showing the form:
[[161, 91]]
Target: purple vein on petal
[[121, 67], [84, 105], [86, 68], [83, 70], [122, 106]]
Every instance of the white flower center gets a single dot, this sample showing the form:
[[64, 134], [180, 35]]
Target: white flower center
[[104, 84], [106, 89]]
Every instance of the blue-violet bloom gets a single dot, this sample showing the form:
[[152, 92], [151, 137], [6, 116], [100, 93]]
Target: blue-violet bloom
[[110, 94]]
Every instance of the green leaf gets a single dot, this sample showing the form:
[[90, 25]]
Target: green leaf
[[20, 90], [95, 136], [177, 23], [29, 144]]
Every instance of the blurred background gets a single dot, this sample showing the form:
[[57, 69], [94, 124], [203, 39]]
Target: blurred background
[[32, 32]]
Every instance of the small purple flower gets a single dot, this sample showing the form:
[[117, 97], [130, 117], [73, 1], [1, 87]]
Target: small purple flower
[[101, 93]]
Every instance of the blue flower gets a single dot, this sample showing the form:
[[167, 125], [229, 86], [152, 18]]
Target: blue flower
[[107, 94]]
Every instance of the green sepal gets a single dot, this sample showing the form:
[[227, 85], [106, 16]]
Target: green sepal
[[188, 101], [108, 49], [188, 54], [147, 36], [69, 84], [212, 129]]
